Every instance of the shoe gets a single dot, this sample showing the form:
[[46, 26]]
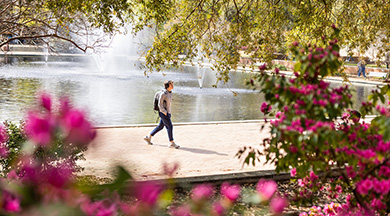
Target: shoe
[[148, 140], [173, 145]]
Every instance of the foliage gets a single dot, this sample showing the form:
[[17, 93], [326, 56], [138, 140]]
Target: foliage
[[308, 135], [280, 67], [16, 138], [218, 30], [74, 22]]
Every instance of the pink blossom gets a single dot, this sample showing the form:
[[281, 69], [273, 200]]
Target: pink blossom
[[293, 149], [99, 208], [263, 67], [295, 43], [202, 191], [64, 105], [148, 192], [3, 150], [45, 101], [11, 203], [218, 209], [12, 175], [364, 186], [293, 172], [278, 204], [3, 134], [78, 128], [266, 188], [183, 210], [313, 176], [39, 129], [350, 172], [232, 192], [265, 108], [378, 204], [58, 176], [277, 70]]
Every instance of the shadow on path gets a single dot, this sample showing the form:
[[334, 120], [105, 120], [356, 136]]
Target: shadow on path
[[195, 150]]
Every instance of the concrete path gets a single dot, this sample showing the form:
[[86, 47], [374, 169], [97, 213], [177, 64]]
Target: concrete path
[[206, 149]]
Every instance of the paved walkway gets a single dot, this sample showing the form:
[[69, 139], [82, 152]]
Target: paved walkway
[[206, 149]]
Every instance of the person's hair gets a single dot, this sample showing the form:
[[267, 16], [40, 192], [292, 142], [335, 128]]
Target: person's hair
[[166, 84]]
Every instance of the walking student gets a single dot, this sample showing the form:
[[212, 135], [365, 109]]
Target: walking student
[[164, 111], [362, 68]]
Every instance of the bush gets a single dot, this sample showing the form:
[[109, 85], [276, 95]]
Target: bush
[[308, 136], [16, 138]]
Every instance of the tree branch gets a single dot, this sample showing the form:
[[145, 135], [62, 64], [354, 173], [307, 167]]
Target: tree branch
[[47, 36]]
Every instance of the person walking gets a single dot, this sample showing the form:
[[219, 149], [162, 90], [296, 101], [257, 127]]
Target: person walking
[[362, 68], [164, 104]]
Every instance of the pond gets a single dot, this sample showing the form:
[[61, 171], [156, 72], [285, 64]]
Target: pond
[[119, 93]]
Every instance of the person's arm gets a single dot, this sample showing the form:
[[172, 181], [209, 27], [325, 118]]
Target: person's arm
[[161, 103]]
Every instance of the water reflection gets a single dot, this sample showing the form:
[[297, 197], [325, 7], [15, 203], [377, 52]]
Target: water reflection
[[120, 95]]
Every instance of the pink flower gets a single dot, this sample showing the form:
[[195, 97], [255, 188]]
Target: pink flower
[[364, 186], [313, 176], [265, 108], [12, 175], [45, 101], [218, 209], [350, 172], [266, 188], [3, 134], [64, 105], [99, 208], [58, 176], [183, 210], [78, 128], [148, 192], [277, 70], [232, 192], [278, 204], [293, 172], [295, 43], [11, 203], [263, 67], [3, 150], [39, 129], [203, 191], [345, 115]]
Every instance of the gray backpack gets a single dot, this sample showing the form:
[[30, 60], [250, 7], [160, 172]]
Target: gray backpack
[[156, 99]]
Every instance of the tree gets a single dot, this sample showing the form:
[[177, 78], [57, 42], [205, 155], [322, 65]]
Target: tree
[[217, 29], [76, 22]]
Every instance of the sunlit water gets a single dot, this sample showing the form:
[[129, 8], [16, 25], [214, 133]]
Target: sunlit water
[[120, 94]]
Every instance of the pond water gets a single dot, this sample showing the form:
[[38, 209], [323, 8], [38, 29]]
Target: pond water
[[120, 94]]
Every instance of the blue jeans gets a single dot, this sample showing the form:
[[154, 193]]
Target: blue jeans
[[164, 121], [362, 70]]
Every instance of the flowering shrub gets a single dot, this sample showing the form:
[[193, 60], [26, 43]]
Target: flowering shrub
[[308, 136]]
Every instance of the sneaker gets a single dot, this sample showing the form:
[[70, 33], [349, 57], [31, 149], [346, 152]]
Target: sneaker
[[148, 140], [173, 145]]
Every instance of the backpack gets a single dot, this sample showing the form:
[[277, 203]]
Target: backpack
[[156, 99]]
